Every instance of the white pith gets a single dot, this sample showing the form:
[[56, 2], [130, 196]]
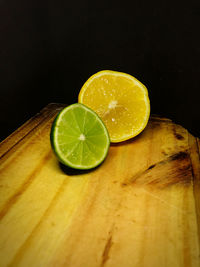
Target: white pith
[[82, 137], [112, 104]]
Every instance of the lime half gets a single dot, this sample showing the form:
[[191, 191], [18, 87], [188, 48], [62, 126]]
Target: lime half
[[79, 138]]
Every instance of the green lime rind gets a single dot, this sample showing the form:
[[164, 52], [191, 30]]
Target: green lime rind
[[79, 138]]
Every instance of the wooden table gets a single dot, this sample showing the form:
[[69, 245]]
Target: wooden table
[[141, 207]]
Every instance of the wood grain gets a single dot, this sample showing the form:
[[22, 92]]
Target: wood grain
[[141, 207]]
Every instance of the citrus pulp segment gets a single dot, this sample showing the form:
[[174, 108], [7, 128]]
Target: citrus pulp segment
[[120, 100], [79, 138]]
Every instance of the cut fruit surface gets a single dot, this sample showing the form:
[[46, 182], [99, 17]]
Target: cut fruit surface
[[79, 138], [120, 100]]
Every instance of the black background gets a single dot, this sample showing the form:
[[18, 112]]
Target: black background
[[48, 49]]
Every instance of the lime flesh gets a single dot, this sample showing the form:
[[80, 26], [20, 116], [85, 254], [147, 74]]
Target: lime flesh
[[79, 138]]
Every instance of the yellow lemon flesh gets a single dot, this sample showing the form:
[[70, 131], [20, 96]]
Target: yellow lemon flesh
[[120, 100]]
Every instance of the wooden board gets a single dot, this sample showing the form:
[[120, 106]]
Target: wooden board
[[141, 207]]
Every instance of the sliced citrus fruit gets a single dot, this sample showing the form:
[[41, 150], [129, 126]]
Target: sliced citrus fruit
[[120, 100], [79, 138]]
